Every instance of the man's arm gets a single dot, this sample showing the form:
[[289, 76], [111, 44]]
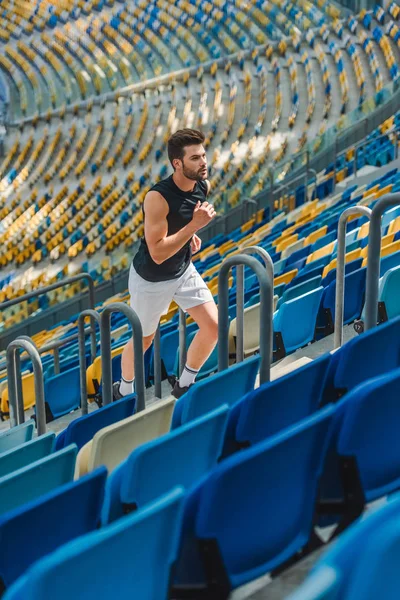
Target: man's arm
[[161, 246]]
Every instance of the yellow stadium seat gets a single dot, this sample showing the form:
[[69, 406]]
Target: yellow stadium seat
[[285, 278], [93, 374], [315, 235], [394, 226], [287, 242], [386, 250], [353, 255], [28, 391], [324, 251]]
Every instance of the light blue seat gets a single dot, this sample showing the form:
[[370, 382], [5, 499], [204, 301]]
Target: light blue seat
[[254, 510], [276, 405], [37, 479], [338, 566], [225, 387], [82, 430], [389, 294], [179, 458], [128, 559], [16, 436], [298, 290], [41, 526], [294, 322], [62, 393], [25, 454]]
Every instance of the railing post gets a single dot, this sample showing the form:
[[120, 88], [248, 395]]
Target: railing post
[[340, 268], [94, 318], [157, 364], [30, 348], [105, 335], [239, 313], [374, 258], [56, 360], [266, 310], [182, 340]]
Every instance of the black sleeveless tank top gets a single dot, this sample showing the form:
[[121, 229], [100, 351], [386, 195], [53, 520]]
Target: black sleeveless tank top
[[181, 206]]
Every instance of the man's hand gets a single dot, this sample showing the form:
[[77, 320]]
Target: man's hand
[[195, 244], [203, 214]]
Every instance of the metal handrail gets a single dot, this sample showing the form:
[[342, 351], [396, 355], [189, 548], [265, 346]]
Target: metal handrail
[[340, 268], [269, 266], [374, 258], [105, 336], [14, 398], [53, 286], [95, 316], [266, 311]]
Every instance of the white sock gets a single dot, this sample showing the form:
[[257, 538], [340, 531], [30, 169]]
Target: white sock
[[126, 387], [188, 376]]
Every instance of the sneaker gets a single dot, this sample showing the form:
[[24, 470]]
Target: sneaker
[[116, 393], [178, 391]]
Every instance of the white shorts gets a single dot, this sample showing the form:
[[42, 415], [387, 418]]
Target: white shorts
[[150, 300]]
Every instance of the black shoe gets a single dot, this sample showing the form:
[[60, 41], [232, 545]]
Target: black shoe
[[359, 326], [178, 391], [116, 393]]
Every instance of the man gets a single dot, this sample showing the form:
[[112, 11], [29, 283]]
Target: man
[[174, 210]]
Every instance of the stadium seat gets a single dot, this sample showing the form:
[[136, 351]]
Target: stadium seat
[[290, 332], [82, 429], [16, 436], [112, 444], [298, 290], [334, 575], [251, 332], [192, 449], [276, 405], [267, 495], [62, 393], [226, 387], [389, 295], [136, 547], [39, 527], [354, 291], [37, 479], [25, 454]]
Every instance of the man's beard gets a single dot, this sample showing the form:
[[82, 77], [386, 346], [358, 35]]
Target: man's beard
[[194, 175]]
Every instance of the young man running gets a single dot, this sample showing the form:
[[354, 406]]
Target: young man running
[[174, 210]]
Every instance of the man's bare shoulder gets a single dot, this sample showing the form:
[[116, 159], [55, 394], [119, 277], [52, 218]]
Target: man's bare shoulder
[[155, 202]]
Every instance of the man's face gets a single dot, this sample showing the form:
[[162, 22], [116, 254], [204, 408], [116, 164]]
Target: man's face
[[194, 163]]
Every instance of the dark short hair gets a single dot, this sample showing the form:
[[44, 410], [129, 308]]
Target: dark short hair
[[182, 138]]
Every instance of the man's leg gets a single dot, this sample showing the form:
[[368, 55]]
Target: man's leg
[[206, 317], [128, 375]]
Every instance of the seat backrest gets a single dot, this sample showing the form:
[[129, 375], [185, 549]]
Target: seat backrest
[[369, 432], [373, 353], [354, 291], [388, 262], [389, 292], [296, 319], [283, 402], [113, 444], [25, 454], [302, 288], [81, 430], [179, 458], [322, 584], [42, 525], [226, 387], [251, 329], [267, 495], [11, 438], [136, 548], [349, 268], [37, 479], [62, 392]]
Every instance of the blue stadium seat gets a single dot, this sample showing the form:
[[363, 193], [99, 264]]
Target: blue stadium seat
[[373, 353], [335, 571], [389, 295], [354, 292], [290, 332], [16, 436], [267, 495], [389, 261], [178, 458], [136, 548], [62, 393], [27, 453], [276, 405], [81, 430], [304, 275], [225, 387], [298, 290], [37, 479], [349, 268], [41, 526]]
